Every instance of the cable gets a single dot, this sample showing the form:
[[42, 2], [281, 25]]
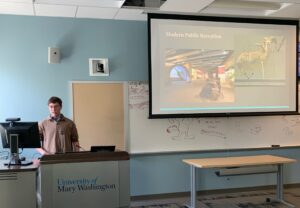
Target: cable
[[34, 155], [5, 157]]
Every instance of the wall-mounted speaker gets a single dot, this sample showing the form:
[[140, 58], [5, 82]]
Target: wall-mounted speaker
[[53, 55]]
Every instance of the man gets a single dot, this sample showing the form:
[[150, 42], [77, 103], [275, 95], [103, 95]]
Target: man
[[58, 133]]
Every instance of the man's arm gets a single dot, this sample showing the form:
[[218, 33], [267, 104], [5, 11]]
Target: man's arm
[[41, 130], [42, 150], [75, 146], [74, 139]]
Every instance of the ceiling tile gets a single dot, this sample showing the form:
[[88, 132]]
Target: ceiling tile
[[185, 6], [275, 1], [290, 11], [286, 10], [17, 1], [233, 12], [96, 3], [54, 10], [96, 12], [234, 4], [16, 8], [110, 9], [131, 14]]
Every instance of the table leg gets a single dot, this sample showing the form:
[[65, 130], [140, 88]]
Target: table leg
[[193, 187], [193, 202], [279, 191]]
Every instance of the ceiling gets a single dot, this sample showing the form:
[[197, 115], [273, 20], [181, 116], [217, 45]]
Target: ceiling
[[137, 9]]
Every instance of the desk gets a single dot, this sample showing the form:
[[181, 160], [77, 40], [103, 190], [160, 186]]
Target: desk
[[18, 185], [227, 162]]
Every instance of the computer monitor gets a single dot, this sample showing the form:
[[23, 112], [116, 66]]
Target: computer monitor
[[15, 135]]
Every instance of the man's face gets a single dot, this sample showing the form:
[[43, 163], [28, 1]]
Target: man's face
[[54, 109]]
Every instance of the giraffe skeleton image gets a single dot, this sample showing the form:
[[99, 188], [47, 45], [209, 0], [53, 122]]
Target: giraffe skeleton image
[[247, 58]]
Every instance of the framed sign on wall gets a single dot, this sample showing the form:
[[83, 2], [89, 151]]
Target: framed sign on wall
[[98, 67]]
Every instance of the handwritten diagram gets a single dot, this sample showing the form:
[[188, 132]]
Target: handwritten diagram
[[291, 124], [179, 129], [211, 128], [138, 95]]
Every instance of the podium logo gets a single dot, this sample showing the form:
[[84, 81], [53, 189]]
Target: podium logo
[[82, 184]]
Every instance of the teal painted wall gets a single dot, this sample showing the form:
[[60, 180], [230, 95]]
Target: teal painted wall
[[26, 78], [27, 81], [154, 174]]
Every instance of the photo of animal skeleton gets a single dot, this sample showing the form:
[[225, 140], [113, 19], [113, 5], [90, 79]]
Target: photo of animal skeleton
[[259, 60]]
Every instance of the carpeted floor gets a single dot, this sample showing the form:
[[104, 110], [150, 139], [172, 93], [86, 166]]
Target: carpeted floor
[[251, 199], [171, 205]]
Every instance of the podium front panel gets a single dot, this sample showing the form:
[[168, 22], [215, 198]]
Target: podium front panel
[[84, 184]]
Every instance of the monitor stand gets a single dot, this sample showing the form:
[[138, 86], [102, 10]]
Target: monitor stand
[[14, 152]]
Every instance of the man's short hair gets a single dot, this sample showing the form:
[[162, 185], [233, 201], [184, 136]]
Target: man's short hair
[[55, 100]]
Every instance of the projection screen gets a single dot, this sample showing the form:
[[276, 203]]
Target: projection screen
[[216, 66]]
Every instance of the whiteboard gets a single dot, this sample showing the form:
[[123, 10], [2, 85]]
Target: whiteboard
[[200, 134]]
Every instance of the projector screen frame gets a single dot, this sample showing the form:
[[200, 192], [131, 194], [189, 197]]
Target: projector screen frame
[[298, 59], [292, 22]]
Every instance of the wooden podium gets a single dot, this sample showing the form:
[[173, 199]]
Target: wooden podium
[[84, 179]]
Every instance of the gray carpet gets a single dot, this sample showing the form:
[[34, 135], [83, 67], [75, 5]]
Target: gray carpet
[[261, 199], [246, 205], [252, 199], [171, 205]]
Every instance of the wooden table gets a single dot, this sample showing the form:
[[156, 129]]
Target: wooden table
[[227, 162]]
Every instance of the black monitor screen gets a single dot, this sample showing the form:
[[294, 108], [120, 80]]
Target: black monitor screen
[[28, 134]]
